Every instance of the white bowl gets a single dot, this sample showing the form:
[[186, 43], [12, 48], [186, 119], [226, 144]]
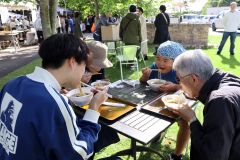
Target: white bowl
[[173, 101], [155, 83], [100, 84], [82, 100]]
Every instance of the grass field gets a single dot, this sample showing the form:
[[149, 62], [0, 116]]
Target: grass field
[[225, 62]]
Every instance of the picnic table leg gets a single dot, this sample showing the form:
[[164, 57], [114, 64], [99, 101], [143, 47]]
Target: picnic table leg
[[131, 151], [134, 149]]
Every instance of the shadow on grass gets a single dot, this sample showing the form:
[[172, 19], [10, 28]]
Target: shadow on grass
[[164, 150], [232, 61]]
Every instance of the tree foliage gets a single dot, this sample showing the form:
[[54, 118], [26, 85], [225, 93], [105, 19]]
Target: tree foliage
[[120, 7]]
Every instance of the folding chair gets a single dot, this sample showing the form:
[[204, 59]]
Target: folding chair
[[127, 55]]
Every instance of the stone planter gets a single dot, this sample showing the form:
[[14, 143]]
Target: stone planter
[[190, 35]]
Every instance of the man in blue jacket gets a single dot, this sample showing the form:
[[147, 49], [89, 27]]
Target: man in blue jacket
[[36, 121]]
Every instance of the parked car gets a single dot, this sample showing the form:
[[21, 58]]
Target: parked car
[[209, 18], [189, 18], [218, 21]]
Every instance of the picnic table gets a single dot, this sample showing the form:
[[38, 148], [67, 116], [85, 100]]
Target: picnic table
[[143, 119], [12, 37]]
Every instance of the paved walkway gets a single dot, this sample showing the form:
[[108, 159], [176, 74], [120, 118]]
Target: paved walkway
[[10, 61]]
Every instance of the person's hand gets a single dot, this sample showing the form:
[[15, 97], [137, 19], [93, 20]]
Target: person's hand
[[185, 112], [98, 99], [169, 87], [63, 90], [86, 77], [146, 72]]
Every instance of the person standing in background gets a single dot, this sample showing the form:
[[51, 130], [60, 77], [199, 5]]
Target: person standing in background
[[38, 27], [25, 23], [102, 21], [62, 22], [161, 23], [66, 24], [58, 24], [130, 28], [143, 32], [0, 21], [88, 24], [77, 22], [231, 22], [71, 24]]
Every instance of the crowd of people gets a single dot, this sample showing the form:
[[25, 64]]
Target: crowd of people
[[14, 23], [37, 117]]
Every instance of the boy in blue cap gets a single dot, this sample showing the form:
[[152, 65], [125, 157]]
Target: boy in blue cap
[[162, 69]]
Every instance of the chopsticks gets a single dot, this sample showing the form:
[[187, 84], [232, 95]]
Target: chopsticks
[[159, 72], [156, 70], [109, 95], [81, 91]]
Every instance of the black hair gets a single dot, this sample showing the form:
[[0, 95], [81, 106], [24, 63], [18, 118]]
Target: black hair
[[140, 9], [162, 8], [76, 14], [132, 8], [59, 47]]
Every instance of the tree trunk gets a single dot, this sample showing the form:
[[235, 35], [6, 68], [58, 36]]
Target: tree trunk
[[96, 9], [53, 14], [48, 12]]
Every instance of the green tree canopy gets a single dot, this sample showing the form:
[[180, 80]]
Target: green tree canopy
[[151, 7]]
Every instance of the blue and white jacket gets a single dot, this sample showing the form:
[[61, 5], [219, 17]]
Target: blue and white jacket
[[36, 121]]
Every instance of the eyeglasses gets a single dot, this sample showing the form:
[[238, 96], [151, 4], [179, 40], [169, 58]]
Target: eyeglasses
[[178, 79]]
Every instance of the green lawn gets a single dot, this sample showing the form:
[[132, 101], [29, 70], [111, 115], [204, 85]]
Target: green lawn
[[225, 62]]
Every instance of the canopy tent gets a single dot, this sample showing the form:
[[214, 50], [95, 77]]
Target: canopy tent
[[4, 14], [15, 7], [63, 10], [12, 6], [18, 10]]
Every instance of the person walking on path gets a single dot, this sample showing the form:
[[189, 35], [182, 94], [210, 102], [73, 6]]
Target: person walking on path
[[231, 22], [161, 23], [130, 28]]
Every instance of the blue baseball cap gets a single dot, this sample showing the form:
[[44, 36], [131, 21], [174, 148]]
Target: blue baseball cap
[[170, 49]]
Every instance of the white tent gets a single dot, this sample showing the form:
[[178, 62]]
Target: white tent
[[11, 6], [4, 14], [6, 8]]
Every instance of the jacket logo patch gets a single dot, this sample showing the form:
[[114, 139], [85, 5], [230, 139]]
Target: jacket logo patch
[[10, 109]]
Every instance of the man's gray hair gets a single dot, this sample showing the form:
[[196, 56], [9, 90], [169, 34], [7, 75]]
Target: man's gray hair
[[233, 3], [194, 62]]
